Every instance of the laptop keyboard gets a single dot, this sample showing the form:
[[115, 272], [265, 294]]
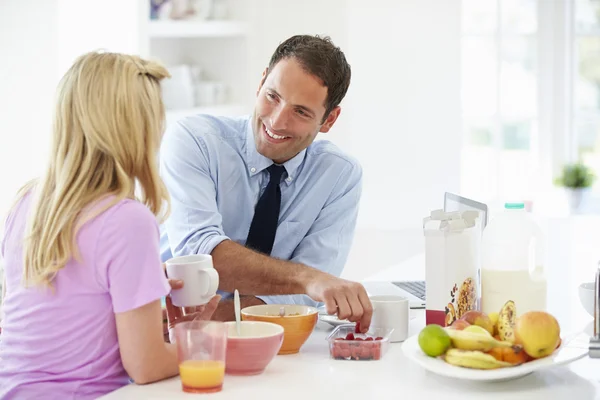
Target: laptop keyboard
[[416, 288]]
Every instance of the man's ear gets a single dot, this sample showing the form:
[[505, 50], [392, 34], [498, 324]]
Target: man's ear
[[262, 80], [331, 118]]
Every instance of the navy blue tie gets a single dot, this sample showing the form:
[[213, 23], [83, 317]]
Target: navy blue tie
[[266, 214]]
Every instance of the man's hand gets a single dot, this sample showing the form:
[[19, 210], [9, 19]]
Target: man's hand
[[349, 300]]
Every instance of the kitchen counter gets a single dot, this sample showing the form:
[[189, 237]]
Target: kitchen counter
[[312, 374]]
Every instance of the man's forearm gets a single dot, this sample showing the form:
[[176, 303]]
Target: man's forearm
[[226, 312], [252, 273]]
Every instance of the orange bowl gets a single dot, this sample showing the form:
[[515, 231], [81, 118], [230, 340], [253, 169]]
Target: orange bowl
[[298, 322]]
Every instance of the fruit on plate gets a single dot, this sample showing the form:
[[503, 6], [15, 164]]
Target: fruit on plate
[[476, 329], [460, 324], [514, 355], [473, 359], [538, 332], [494, 318], [474, 340], [507, 317], [479, 318], [434, 340], [498, 340]]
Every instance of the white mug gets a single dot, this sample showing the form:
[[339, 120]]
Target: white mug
[[200, 279], [391, 312]]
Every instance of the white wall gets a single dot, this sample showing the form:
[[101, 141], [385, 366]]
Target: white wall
[[27, 80], [40, 40], [405, 106], [111, 25]]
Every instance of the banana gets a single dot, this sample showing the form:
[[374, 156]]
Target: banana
[[466, 340], [506, 321], [473, 359]]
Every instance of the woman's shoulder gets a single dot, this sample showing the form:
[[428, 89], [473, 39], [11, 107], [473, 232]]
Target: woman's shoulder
[[126, 212]]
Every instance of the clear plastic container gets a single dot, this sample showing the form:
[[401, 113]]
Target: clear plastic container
[[358, 346], [512, 264]]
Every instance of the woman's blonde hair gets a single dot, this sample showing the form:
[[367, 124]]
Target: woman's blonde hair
[[108, 124]]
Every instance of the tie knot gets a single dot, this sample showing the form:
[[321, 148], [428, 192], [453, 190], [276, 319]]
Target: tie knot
[[276, 171]]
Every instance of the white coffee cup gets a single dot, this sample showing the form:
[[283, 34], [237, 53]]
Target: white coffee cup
[[391, 312], [200, 279]]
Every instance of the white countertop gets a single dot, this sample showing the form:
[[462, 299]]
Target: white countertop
[[312, 374]]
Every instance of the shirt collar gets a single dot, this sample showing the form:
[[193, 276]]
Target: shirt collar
[[256, 162]]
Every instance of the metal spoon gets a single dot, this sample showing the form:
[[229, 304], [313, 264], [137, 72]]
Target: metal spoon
[[236, 305]]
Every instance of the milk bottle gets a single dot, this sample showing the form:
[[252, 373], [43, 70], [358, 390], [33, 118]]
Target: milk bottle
[[512, 262]]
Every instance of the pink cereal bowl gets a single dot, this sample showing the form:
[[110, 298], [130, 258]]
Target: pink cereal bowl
[[254, 349]]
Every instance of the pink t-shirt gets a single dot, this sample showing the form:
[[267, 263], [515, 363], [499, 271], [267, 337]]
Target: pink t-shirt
[[64, 345]]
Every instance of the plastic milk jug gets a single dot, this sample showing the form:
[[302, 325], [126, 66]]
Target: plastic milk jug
[[512, 262]]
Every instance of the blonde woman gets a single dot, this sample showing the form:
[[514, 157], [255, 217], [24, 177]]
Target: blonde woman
[[83, 274]]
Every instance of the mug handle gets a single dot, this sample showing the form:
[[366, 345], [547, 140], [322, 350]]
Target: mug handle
[[213, 277]]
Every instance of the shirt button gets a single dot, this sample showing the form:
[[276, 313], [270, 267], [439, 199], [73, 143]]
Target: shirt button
[[289, 179], [252, 169]]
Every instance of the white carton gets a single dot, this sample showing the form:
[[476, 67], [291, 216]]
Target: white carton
[[452, 265]]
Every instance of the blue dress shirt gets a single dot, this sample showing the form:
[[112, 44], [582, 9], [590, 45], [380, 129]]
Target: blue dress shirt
[[215, 176]]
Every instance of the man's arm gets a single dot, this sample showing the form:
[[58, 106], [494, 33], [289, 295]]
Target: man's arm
[[325, 248]]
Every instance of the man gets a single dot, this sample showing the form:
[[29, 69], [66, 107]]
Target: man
[[276, 210]]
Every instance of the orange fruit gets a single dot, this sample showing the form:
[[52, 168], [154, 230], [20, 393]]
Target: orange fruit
[[514, 355]]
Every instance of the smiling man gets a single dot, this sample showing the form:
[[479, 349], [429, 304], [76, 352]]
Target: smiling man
[[275, 209]]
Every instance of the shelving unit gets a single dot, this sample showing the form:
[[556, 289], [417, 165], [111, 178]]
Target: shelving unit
[[217, 47], [196, 29]]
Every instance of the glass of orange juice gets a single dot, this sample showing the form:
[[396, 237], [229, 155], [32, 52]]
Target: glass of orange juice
[[201, 351]]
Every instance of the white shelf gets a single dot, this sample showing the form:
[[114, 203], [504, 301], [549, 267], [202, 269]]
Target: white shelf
[[231, 110], [194, 29]]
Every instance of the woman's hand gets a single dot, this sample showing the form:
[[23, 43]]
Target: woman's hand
[[176, 315], [173, 315]]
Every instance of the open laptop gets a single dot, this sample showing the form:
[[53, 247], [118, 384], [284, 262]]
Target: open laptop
[[414, 289]]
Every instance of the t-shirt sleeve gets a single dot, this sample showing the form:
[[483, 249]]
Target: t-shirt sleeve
[[128, 249]]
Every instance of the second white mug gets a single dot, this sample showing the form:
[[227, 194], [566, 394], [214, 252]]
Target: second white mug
[[200, 279], [391, 312]]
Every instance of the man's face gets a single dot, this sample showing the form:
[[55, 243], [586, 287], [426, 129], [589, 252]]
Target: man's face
[[289, 111]]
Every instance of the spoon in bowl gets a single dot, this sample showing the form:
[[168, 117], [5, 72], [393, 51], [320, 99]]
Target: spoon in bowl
[[236, 305]]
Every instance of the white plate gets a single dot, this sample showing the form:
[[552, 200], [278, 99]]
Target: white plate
[[572, 348], [333, 320]]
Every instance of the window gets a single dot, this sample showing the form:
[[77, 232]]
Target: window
[[586, 82], [500, 113]]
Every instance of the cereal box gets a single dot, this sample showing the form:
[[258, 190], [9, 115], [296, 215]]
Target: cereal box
[[452, 265]]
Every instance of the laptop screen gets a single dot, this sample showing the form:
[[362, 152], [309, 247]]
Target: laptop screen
[[454, 202]]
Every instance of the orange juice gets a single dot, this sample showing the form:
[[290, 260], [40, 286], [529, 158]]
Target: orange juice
[[201, 376]]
